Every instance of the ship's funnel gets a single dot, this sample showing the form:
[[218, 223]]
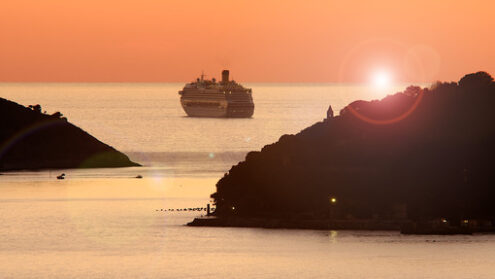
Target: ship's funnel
[[225, 76]]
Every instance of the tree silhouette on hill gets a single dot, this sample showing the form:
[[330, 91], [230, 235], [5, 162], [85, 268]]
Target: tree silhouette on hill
[[427, 149]]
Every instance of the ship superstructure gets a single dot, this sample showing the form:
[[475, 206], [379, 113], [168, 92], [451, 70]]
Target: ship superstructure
[[209, 98]]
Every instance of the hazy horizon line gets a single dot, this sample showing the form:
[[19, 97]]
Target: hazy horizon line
[[400, 83]]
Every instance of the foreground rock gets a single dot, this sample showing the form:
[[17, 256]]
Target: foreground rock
[[30, 140], [421, 155]]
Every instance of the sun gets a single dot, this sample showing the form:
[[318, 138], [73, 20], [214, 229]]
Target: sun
[[381, 79]]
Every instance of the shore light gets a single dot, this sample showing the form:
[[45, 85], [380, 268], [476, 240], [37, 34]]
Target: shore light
[[333, 200]]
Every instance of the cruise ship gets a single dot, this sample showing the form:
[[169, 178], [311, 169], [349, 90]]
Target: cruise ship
[[209, 98]]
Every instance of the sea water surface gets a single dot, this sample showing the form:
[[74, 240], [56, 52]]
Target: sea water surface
[[104, 223]]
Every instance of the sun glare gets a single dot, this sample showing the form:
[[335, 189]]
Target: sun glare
[[381, 79]]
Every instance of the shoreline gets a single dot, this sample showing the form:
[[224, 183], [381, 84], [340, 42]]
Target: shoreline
[[323, 224], [39, 169], [403, 226]]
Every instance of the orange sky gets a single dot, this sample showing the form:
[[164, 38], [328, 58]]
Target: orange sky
[[279, 41]]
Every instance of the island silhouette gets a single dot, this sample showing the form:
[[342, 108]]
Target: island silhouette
[[422, 155], [32, 140]]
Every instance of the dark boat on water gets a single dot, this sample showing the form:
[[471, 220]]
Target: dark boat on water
[[209, 98]]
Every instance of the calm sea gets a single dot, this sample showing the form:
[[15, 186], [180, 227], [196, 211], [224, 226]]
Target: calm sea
[[103, 223]]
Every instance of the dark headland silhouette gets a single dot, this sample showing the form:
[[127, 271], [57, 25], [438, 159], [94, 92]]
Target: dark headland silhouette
[[422, 156], [30, 139]]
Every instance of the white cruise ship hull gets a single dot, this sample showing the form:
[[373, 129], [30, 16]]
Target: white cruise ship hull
[[222, 109]]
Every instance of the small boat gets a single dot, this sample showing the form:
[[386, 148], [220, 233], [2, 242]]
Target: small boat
[[62, 176], [139, 176]]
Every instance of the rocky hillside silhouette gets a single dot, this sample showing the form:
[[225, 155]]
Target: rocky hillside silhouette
[[429, 151], [30, 139]]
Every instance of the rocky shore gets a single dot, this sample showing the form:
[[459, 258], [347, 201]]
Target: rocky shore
[[403, 226], [321, 224]]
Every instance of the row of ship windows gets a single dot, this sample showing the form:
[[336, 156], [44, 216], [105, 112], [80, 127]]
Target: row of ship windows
[[225, 92], [203, 104]]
